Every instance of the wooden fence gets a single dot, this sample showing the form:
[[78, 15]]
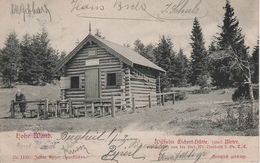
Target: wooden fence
[[108, 103]]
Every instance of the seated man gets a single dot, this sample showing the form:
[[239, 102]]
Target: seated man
[[20, 97]]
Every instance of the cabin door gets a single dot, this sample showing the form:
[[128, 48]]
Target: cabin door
[[92, 83]]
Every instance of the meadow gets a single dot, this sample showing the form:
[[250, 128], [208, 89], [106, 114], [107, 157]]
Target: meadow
[[200, 114]]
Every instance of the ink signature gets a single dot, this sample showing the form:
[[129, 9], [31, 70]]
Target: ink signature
[[87, 136], [124, 140], [69, 150], [183, 9], [181, 155], [113, 153], [29, 10]]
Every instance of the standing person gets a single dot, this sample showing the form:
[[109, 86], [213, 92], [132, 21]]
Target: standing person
[[20, 97]]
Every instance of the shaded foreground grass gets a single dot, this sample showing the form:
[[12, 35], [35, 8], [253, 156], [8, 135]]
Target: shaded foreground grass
[[199, 114]]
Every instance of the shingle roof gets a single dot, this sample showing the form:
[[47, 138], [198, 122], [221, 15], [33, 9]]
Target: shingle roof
[[125, 54]]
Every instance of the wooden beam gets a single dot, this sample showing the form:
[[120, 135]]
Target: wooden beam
[[150, 100], [39, 110], [92, 108], [76, 112], [113, 106], [173, 98], [70, 108], [85, 108], [46, 108], [159, 88], [133, 104], [25, 102], [12, 109], [99, 84], [163, 99], [103, 108], [56, 110]]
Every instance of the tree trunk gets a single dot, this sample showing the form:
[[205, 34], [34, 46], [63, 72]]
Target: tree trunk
[[251, 95]]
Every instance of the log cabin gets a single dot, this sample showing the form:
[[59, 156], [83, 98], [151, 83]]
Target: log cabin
[[98, 68]]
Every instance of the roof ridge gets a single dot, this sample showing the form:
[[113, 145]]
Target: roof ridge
[[127, 55], [139, 55]]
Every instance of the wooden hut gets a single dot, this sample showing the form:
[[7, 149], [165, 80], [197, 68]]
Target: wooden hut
[[98, 68]]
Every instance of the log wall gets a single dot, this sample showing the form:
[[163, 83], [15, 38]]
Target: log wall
[[138, 84], [107, 63], [130, 83]]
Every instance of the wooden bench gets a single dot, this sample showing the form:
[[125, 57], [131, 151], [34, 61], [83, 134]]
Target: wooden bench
[[40, 105], [33, 111], [63, 107], [53, 110], [76, 111], [104, 108]]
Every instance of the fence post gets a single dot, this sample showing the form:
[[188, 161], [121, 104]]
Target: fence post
[[150, 100], [160, 99], [103, 108], [92, 108], [46, 109], [133, 104], [163, 99], [85, 107], [12, 109], [39, 110], [173, 98], [70, 108], [58, 108], [113, 106]]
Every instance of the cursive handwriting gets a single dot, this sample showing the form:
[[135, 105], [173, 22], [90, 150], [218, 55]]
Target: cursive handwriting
[[181, 155], [113, 153], [16, 9], [75, 138], [183, 10], [68, 149], [180, 8], [79, 6], [119, 6], [124, 140]]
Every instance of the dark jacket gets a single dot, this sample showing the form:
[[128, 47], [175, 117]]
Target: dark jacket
[[22, 105]]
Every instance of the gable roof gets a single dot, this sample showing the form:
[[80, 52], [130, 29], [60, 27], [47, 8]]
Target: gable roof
[[126, 55]]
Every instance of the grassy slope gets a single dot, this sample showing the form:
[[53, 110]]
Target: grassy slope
[[162, 118]]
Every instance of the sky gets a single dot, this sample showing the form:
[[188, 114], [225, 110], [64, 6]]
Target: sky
[[123, 21]]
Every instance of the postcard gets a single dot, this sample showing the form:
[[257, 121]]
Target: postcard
[[129, 81]]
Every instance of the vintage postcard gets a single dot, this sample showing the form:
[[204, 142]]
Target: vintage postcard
[[129, 81]]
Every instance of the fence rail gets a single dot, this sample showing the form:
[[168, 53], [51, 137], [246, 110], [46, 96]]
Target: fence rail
[[109, 102]]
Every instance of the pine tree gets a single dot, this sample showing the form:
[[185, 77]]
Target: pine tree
[[28, 59], [164, 58], [255, 63], [182, 69], [230, 33], [212, 63], [62, 56], [10, 61], [229, 38], [145, 51], [198, 54], [45, 58], [212, 47], [164, 53]]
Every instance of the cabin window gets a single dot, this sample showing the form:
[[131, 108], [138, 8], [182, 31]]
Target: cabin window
[[111, 79], [74, 82]]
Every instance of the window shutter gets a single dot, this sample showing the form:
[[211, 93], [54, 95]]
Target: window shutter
[[119, 78], [64, 82]]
